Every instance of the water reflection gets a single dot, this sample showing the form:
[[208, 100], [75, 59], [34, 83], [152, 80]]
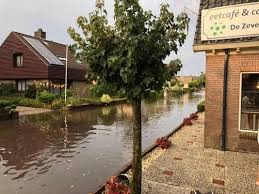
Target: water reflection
[[75, 152]]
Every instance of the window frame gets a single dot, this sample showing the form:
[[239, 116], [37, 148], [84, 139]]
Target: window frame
[[240, 102], [22, 81], [15, 56]]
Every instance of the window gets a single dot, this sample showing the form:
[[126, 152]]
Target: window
[[18, 60], [21, 85], [249, 120]]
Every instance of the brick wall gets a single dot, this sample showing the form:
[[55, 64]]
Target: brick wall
[[214, 97]]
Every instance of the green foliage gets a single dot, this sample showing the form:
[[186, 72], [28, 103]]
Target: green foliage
[[31, 103], [99, 89], [13, 99], [173, 82], [31, 92], [4, 103], [46, 97], [80, 101], [69, 94], [57, 104], [194, 84], [129, 56], [201, 106], [6, 106], [106, 98], [177, 90], [7, 89]]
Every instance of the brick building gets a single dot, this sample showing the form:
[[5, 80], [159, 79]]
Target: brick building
[[26, 59], [232, 73]]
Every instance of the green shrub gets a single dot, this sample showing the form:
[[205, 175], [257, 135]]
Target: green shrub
[[174, 82], [46, 97], [7, 89], [57, 104], [69, 94], [100, 89], [105, 98], [5, 103], [201, 106], [12, 100], [194, 84], [31, 92], [79, 101], [7, 108], [177, 90], [31, 103]]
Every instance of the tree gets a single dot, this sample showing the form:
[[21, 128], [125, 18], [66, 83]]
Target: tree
[[129, 56]]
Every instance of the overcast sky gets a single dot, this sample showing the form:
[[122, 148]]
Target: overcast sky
[[55, 16]]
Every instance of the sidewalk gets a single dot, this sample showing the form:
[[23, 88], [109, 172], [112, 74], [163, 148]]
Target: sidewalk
[[30, 110], [188, 165]]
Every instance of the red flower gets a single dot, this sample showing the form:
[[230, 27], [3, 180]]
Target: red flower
[[114, 186], [187, 121], [163, 142], [193, 116]]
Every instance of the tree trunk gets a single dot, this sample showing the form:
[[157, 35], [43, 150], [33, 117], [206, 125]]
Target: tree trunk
[[137, 147]]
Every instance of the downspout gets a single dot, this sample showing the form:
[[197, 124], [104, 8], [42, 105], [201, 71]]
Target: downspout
[[225, 92]]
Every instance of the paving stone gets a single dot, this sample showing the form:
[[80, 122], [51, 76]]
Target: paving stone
[[168, 172], [218, 182], [220, 165], [189, 166], [178, 159]]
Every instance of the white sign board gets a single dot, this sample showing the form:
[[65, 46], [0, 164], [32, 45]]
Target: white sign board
[[235, 21]]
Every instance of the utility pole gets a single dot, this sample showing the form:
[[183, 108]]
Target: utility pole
[[66, 75]]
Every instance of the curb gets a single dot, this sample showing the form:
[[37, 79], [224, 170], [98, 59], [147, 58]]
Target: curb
[[128, 166]]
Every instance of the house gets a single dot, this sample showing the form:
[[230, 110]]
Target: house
[[25, 60], [228, 32]]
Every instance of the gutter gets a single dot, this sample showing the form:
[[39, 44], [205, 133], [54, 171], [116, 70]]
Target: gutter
[[222, 46], [224, 108]]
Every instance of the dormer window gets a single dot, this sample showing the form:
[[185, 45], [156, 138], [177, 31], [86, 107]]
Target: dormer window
[[17, 60]]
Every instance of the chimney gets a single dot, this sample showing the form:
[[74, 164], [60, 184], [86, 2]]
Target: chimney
[[40, 34]]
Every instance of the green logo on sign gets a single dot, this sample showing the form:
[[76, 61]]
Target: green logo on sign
[[217, 29]]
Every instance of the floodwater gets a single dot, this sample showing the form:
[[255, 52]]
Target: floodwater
[[54, 153]]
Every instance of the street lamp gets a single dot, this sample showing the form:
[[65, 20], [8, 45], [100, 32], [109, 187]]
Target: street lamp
[[66, 75]]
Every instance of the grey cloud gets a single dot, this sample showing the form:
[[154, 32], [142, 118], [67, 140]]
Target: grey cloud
[[55, 16]]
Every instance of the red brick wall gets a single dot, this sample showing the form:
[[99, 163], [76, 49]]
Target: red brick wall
[[214, 97], [33, 67]]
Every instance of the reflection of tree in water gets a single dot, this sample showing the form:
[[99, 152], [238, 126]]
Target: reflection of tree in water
[[108, 115], [34, 143]]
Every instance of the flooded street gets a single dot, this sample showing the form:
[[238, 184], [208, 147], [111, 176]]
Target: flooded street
[[55, 153]]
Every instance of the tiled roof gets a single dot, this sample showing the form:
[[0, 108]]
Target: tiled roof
[[207, 4], [59, 50]]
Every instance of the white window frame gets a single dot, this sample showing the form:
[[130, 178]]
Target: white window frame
[[20, 57], [240, 106], [21, 81]]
